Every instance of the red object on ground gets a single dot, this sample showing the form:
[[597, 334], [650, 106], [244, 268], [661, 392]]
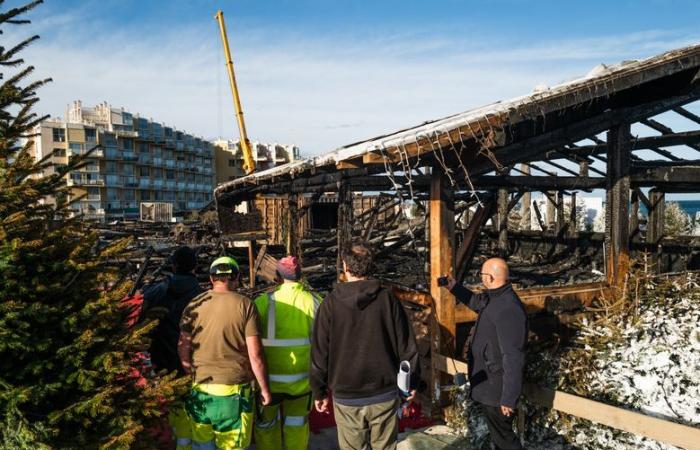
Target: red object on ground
[[319, 421], [412, 418]]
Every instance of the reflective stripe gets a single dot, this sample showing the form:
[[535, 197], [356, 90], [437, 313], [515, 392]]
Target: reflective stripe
[[183, 441], [285, 342], [209, 445], [266, 425], [317, 302], [271, 315], [294, 421], [289, 378]]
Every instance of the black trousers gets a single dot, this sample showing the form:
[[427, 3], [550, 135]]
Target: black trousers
[[501, 428]]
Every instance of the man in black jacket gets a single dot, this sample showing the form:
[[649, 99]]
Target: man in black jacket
[[496, 353], [171, 296], [361, 334]]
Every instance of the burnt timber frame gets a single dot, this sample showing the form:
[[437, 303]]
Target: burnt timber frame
[[476, 156]]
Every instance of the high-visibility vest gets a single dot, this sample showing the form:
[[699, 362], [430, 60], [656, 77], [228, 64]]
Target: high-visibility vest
[[287, 317]]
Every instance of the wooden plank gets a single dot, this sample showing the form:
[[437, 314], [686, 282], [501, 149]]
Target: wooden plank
[[535, 299], [258, 260], [661, 430], [471, 238], [622, 419], [443, 328]]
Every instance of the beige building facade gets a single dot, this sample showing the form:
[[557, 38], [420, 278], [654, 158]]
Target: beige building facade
[[229, 157], [138, 160]]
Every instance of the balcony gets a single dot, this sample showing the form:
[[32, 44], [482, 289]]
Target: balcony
[[157, 184], [85, 179], [170, 184], [129, 156], [144, 183], [144, 158], [157, 161], [130, 181], [126, 133], [181, 185]]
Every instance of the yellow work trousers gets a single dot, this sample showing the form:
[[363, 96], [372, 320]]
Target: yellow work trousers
[[180, 423], [285, 421]]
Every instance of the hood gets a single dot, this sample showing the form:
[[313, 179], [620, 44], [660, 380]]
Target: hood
[[357, 294], [182, 284]]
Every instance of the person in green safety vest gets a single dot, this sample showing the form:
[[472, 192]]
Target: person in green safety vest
[[287, 317]]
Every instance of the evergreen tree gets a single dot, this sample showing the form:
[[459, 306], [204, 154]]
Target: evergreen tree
[[68, 366]]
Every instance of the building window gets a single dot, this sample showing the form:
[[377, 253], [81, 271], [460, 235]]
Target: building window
[[59, 152], [59, 135], [128, 144], [144, 171], [145, 195], [129, 195], [127, 169], [90, 135], [111, 167], [169, 175], [232, 163]]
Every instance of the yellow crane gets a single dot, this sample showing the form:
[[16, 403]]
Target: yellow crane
[[248, 161]]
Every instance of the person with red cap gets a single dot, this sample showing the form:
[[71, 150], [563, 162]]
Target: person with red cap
[[287, 315]]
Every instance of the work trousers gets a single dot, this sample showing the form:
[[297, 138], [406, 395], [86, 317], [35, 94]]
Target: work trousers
[[501, 428], [286, 419], [372, 426]]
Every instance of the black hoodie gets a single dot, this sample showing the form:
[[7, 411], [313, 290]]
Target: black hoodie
[[174, 294], [361, 334]]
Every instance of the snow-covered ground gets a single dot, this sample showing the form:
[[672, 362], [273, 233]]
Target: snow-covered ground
[[644, 357]]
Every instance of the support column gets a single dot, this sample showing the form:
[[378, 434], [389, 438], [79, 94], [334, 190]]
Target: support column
[[655, 226], [634, 217], [617, 205], [345, 213], [550, 210], [573, 217], [292, 241], [525, 215], [502, 222], [560, 212], [442, 236]]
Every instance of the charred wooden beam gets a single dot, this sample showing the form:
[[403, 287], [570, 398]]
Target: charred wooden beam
[[345, 212], [502, 222], [650, 143], [617, 205], [687, 114], [443, 329], [655, 226], [466, 251], [661, 128]]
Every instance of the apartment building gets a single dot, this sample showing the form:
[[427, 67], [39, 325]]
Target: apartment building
[[139, 160], [229, 157]]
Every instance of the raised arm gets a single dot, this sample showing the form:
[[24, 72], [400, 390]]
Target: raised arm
[[257, 363], [475, 302]]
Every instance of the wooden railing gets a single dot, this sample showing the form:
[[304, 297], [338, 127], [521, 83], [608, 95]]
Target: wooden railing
[[661, 430]]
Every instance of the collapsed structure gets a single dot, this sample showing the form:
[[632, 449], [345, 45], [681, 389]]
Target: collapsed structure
[[478, 165]]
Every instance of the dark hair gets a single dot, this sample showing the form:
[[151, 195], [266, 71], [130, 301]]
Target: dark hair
[[358, 259], [184, 260]]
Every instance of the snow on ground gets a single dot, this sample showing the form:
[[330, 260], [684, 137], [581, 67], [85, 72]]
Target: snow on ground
[[645, 358]]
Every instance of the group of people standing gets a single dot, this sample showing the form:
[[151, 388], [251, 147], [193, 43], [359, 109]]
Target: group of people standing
[[259, 366]]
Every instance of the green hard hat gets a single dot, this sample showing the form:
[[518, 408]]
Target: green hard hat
[[223, 265]]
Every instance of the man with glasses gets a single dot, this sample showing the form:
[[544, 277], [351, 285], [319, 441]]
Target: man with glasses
[[496, 349]]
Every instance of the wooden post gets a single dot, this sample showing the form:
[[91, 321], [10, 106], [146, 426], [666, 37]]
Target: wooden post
[[502, 222], [345, 210], [525, 218], [251, 262], [655, 226], [560, 212], [550, 210], [634, 217], [573, 217], [441, 263], [292, 241], [617, 205]]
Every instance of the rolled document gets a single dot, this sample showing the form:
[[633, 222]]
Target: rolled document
[[403, 378]]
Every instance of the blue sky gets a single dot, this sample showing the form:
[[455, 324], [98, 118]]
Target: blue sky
[[321, 74]]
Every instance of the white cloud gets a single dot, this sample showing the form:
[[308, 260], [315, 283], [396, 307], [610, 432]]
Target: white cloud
[[317, 92]]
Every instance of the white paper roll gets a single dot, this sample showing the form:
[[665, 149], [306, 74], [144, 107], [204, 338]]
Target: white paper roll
[[403, 378]]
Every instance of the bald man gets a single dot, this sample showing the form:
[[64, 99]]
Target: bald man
[[496, 349]]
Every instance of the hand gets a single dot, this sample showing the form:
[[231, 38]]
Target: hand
[[266, 397], [412, 397], [321, 405], [506, 411], [450, 282]]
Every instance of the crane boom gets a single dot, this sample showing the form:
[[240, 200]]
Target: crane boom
[[248, 161]]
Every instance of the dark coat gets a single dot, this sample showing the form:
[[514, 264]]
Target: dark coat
[[496, 356], [361, 334], [174, 294]]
